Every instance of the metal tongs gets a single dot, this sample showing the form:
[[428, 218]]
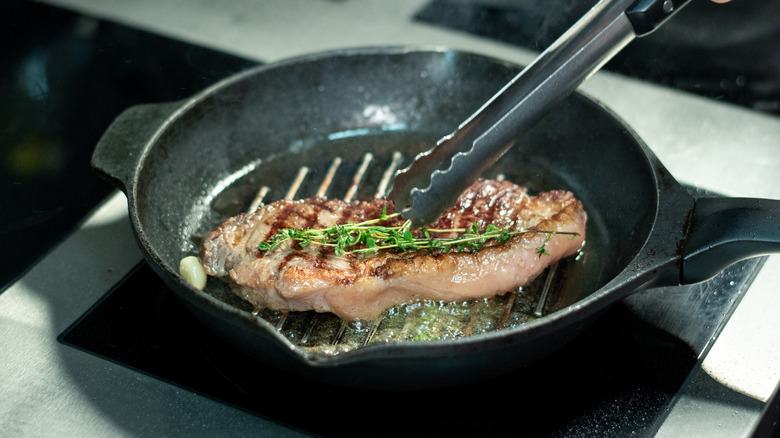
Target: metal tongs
[[437, 177]]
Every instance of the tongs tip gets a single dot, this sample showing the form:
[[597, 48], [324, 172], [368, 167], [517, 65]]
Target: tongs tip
[[420, 205]]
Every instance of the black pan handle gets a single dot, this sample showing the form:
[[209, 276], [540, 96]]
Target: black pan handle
[[724, 231], [120, 149]]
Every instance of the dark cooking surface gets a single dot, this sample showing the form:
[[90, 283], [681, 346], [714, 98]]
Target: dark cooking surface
[[725, 52], [617, 376], [64, 79]]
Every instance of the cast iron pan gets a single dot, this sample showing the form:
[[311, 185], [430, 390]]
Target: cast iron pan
[[186, 166]]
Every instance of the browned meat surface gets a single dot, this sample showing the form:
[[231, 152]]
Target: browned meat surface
[[358, 287]]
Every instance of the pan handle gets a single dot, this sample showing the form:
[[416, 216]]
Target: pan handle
[[120, 149], [724, 231]]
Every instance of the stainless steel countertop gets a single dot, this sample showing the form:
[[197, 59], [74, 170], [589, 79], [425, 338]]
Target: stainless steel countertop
[[704, 143]]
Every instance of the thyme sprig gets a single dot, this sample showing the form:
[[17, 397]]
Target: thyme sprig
[[369, 237]]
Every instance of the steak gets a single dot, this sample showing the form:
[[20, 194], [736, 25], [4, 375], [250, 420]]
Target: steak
[[354, 286]]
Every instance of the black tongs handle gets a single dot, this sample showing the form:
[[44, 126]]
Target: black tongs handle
[[436, 178], [648, 15]]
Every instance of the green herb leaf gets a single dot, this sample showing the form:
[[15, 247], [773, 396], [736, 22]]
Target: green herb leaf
[[371, 236]]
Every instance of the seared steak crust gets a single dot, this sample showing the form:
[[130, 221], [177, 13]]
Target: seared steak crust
[[358, 287]]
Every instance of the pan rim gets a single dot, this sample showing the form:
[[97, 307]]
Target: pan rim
[[599, 298]]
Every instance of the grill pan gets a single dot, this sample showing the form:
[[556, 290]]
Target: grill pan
[[338, 124]]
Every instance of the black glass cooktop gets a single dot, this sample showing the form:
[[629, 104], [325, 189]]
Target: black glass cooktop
[[65, 77], [616, 378], [725, 52]]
